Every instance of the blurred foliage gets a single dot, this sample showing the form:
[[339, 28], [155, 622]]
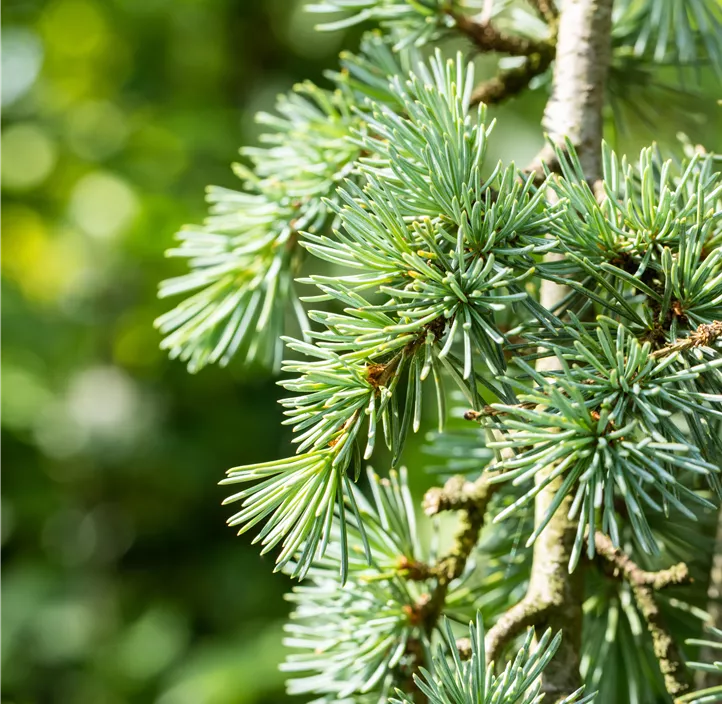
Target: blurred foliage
[[120, 580]]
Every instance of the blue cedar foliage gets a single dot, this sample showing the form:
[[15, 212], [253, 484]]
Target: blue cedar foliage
[[437, 257], [474, 680], [427, 234], [352, 639], [243, 261]]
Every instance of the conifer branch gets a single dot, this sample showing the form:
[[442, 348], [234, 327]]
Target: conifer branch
[[704, 336], [547, 9], [625, 568], [574, 112], [488, 38], [510, 82], [431, 246], [671, 663]]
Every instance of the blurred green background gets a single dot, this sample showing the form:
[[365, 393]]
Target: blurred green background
[[121, 582]]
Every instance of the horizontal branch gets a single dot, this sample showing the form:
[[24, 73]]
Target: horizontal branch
[[488, 411], [703, 336], [623, 566], [459, 494], [486, 37]]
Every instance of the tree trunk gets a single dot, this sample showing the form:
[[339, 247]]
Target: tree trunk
[[574, 111]]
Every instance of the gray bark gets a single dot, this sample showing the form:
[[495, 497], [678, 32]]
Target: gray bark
[[582, 61], [574, 111]]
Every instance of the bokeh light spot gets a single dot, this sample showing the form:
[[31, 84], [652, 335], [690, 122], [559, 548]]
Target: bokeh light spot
[[47, 267], [301, 33], [152, 643], [104, 400], [96, 129], [68, 537], [103, 205], [74, 27], [135, 345], [24, 395], [29, 156], [22, 56], [64, 630]]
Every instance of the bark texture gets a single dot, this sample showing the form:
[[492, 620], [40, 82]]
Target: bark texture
[[582, 62], [574, 111]]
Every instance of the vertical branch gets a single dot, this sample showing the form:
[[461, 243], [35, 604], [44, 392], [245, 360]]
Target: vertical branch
[[472, 500], [574, 111], [556, 594]]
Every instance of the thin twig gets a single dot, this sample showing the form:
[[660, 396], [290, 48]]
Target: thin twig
[[472, 499], [703, 336], [626, 568], [488, 38], [528, 612], [510, 82], [547, 9]]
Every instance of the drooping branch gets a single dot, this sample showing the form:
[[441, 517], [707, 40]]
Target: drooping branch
[[671, 664], [704, 678], [471, 499], [644, 585]]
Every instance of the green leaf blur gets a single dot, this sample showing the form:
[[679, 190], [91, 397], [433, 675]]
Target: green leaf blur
[[121, 582]]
